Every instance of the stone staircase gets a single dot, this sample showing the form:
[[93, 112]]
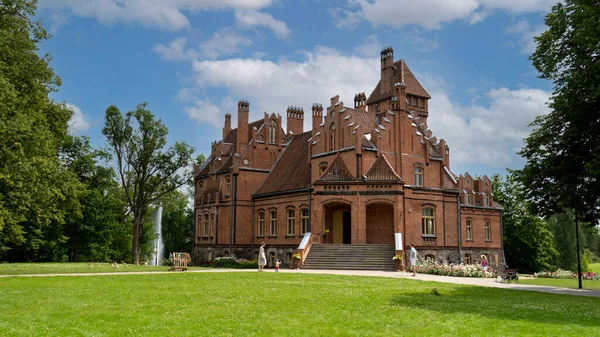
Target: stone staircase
[[350, 257]]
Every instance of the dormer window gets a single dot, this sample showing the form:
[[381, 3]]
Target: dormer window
[[486, 200], [227, 186]]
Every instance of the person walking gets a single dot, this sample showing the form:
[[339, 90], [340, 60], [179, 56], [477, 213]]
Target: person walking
[[484, 265], [262, 259], [413, 259]]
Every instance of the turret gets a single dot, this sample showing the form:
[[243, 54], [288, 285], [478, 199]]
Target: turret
[[295, 120], [317, 116]]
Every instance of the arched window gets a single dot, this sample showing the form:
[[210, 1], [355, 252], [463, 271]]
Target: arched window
[[211, 232], [467, 197], [418, 176], [291, 221], [323, 167], [428, 221], [486, 200], [273, 221], [488, 234], [261, 223], [228, 186], [305, 226], [469, 231], [272, 132], [206, 225]]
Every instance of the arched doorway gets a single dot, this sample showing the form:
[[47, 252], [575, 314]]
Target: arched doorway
[[338, 224], [380, 223]]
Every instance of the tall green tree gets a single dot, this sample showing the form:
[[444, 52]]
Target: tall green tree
[[177, 223], [528, 244], [38, 194], [147, 169], [563, 152]]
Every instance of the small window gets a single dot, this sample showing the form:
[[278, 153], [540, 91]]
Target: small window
[[211, 232], [486, 201], [228, 186], [273, 222], [322, 169], [291, 221], [467, 198], [469, 230], [467, 259], [428, 221], [305, 226], [488, 236], [429, 258], [272, 132], [418, 176], [206, 225], [261, 224]]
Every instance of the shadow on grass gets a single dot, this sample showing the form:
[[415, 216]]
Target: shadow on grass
[[504, 304]]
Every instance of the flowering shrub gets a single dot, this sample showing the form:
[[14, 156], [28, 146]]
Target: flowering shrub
[[397, 257], [233, 262], [296, 257], [565, 274], [459, 270]]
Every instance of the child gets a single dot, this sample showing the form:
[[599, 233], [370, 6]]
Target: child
[[277, 263]]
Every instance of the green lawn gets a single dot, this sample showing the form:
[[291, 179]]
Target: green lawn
[[562, 283], [281, 304], [68, 268]]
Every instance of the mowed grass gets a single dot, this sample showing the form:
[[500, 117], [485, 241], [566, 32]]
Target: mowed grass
[[69, 268], [281, 304], [561, 283]]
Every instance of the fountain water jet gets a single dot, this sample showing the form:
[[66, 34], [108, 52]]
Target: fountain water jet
[[158, 251]]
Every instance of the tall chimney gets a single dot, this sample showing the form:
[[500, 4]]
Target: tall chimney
[[317, 116], [242, 133], [227, 127], [387, 70], [295, 120]]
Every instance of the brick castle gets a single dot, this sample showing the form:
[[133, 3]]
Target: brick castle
[[360, 175]]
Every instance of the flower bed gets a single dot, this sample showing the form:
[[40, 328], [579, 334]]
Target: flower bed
[[565, 274], [233, 262], [458, 270]]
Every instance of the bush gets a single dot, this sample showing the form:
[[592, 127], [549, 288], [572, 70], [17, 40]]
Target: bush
[[458, 270], [565, 274], [233, 262]]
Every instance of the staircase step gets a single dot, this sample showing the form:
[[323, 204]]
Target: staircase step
[[351, 257]]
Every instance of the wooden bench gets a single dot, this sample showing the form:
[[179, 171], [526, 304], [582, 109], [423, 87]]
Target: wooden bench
[[507, 275]]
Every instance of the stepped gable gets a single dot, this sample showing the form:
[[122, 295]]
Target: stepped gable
[[427, 136], [401, 74], [337, 171], [381, 170], [291, 171], [367, 144]]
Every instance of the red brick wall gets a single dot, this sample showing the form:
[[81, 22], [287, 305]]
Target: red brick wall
[[380, 224]]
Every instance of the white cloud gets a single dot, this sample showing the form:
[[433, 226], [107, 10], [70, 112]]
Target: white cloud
[[527, 33], [398, 14], [486, 135], [163, 14], [252, 18], [176, 50], [78, 122], [370, 47], [204, 111], [272, 86], [223, 42]]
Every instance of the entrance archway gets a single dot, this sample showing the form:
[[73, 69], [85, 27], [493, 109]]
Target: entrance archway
[[380, 224], [338, 224]]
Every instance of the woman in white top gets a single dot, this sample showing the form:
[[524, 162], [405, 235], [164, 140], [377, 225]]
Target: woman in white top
[[262, 259]]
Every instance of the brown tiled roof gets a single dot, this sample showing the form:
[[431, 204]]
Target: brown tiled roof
[[226, 165], [232, 136], [381, 171], [401, 74], [204, 167], [367, 144], [291, 171], [337, 171], [365, 121]]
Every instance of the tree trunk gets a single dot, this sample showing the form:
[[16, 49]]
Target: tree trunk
[[137, 226]]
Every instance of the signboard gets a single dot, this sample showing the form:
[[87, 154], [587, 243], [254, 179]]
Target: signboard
[[398, 237]]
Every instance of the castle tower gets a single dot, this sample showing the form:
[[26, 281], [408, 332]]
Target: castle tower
[[295, 120]]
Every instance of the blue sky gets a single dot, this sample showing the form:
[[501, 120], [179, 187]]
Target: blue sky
[[192, 60]]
